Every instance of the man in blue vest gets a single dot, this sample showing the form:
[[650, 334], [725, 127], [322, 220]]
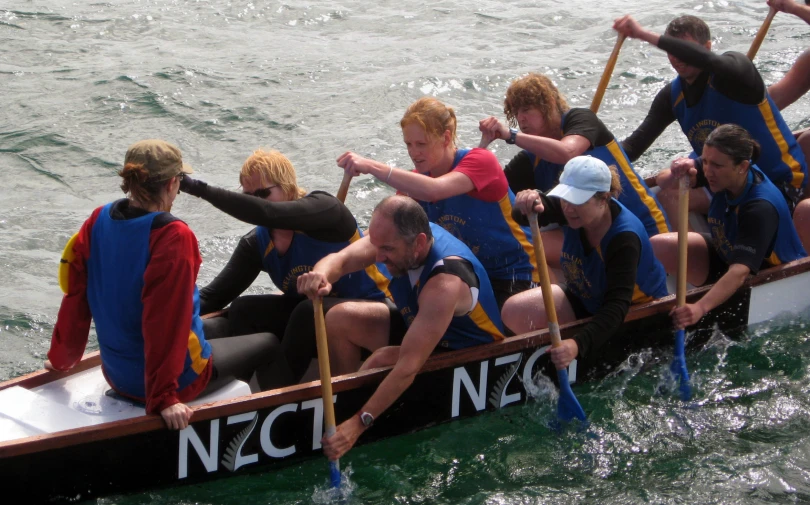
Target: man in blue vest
[[440, 289], [711, 90]]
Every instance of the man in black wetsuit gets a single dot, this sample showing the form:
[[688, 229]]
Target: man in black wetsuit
[[711, 90]]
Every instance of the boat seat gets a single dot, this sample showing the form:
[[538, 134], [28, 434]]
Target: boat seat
[[76, 401]]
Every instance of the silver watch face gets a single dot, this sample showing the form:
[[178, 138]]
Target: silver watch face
[[367, 419]]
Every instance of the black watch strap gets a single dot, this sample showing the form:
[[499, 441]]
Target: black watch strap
[[512, 136]]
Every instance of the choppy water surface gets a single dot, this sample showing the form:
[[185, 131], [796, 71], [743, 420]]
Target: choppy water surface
[[81, 81]]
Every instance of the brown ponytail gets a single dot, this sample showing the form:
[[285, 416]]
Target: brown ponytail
[[137, 185]]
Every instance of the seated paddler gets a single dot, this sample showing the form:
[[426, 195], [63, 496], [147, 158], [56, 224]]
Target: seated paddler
[[293, 231], [440, 289], [462, 190], [132, 272], [606, 259], [749, 219]]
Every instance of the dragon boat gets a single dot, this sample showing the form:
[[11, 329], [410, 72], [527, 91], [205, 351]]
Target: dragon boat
[[66, 426]]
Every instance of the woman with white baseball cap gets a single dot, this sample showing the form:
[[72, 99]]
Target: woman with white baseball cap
[[606, 259]]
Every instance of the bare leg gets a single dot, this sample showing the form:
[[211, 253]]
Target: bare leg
[[665, 248], [525, 311], [382, 357], [698, 202], [353, 326], [801, 220]]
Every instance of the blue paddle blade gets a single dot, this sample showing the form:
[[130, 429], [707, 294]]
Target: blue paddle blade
[[678, 367], [568, 406], [334, 474]]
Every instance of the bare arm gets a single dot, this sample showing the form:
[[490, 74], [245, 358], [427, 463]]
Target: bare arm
[[791, 7], [415, 185], [691, 313], [555, 151], [794, 84], [352, 258]]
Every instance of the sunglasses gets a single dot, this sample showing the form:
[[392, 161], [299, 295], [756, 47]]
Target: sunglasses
[[261, 193]]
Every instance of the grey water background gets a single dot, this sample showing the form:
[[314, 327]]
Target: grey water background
[[81, 81]]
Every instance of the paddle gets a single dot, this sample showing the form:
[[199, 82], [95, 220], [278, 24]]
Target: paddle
[[568, 407], [603, 82], [678, 366], [326, 384], [763, 30], [323, 357]]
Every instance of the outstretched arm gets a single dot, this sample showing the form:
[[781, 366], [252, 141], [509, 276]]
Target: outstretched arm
[[794, 84], [352, 258], [791, 7]]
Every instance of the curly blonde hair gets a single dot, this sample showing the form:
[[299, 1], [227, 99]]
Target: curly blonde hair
[[273, 168], [533, 90]]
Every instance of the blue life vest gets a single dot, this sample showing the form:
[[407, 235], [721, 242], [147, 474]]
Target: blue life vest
[[483, 324], [119, 254], [498, 241], [585, 274], [780, 159], [635, 195], [724, 225], [302, 254]]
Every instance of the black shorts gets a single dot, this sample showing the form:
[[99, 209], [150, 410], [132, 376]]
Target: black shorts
[[580, 312], [504, 289], [717, 265]]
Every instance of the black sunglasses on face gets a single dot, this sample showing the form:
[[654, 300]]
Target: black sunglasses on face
[[261, 193]]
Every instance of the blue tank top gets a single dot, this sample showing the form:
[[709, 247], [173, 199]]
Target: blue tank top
[[483, 324], [724, 225], [635, 195], [585, 273], [302, 254], [498, 241], [119, 254], [781, 158]]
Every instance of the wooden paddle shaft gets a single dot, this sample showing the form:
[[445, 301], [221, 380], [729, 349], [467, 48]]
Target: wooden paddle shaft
[[344, 187], [763, 30], [603, 82], [545, 282], [683, 238], [323, 366]]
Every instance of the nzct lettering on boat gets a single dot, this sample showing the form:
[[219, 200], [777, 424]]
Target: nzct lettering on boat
[[513, 376], [233, 442]]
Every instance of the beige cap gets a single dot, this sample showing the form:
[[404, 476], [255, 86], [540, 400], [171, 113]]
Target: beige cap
[[161, 159]]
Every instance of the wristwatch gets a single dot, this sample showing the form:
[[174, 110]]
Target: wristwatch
[[512, 135], [367, 419]]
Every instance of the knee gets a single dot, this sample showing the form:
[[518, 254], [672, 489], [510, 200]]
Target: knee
[[514, 315]]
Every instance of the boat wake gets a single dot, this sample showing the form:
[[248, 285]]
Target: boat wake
[[325, 494]]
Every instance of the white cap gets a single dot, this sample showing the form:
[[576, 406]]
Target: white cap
[[582, 177]]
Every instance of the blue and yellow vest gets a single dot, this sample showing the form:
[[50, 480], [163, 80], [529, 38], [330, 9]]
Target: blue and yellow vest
[[119, 254], [480, 326], [301, 256], [498, 241], [635, 195], [724, 225], [585, 273], [780, 159]]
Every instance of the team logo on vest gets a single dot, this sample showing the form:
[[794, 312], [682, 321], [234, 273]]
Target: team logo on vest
[[574, 276], [719, 238], [453, 225], [701, 130], [292, 275]]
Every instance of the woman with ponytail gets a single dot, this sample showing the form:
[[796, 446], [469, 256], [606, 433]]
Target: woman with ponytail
[[134, 271], [751, 227]]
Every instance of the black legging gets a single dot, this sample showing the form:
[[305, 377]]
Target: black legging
[[239, 357]]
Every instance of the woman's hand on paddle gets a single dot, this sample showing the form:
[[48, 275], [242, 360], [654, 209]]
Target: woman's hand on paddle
[[356, 165], [345, 437], [313, 285], [630, 28], [563, 355], [492, 129], [687, 315], [782, 5], [177, 416], [683, 166], [528, 201]]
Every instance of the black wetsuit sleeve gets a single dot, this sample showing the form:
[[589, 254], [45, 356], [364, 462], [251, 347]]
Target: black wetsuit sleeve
[[318, 214], [585, 123], [240, 272], [758, 222], [658, 118], [552, 213], [621, 264], [735, 75], [519, 173]]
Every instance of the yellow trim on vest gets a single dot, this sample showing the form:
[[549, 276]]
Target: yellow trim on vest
[[372, 271], [773, 260], [517, 232], [678, 100], [787, 159], [481, 319], [64, 264], [640, 296], [198, 363], [270, 247], [646, 198]]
